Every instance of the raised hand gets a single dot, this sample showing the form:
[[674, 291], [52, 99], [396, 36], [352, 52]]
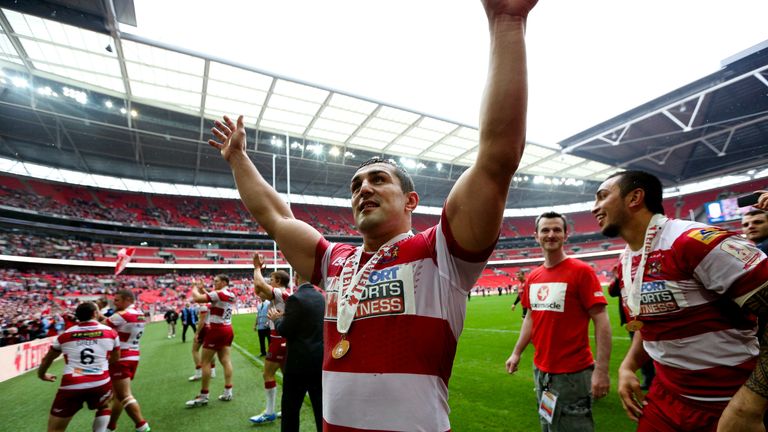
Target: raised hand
[[258, 261], [229, 137], [762, 202], [495, 8]]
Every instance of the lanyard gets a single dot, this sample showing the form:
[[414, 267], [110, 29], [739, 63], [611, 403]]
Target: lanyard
[[354, 280], [633, 286]]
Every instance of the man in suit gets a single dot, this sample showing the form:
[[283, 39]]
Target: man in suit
[[188, 319], [302, 326]]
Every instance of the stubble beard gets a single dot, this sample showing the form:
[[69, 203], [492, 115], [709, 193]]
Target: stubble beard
[[611, 230]]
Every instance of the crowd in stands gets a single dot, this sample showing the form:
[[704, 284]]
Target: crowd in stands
[[39, 304]]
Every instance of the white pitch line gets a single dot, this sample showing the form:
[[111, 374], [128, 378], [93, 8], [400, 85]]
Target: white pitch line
[[255, 359]]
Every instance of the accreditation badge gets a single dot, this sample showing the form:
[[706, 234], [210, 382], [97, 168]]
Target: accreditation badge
[[547, 405]]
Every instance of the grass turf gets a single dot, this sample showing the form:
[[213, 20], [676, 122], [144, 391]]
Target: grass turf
[[483, 397]]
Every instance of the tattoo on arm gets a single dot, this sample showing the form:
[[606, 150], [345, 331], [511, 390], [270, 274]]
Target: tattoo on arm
[[758, 381]]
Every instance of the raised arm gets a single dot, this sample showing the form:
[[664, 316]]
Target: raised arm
[[295, 238], [197, 293], [475, 206], [260, 287]]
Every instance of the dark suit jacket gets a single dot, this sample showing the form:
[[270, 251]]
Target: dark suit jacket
[[302, 327]]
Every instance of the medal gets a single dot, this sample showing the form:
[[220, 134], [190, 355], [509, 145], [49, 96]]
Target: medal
[[631, 326], [340, 349], [353, 282]]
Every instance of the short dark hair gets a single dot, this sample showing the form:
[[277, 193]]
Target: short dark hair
[[552, 215], [223, 277], [126, 293], [406, 182], [86, 311], [649, 183], [755, 212], [282, 276]]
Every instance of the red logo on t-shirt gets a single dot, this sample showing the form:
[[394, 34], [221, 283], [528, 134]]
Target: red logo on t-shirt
[[543, 293]]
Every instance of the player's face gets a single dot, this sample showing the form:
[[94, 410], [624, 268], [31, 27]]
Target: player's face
[[755, 227], [378, 201], [120, 303], [218, 283], [274, 281], [550, 234], [609, 208]]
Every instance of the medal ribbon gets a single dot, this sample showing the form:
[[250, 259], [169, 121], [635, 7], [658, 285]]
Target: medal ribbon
[[633, 286], [354, 280]]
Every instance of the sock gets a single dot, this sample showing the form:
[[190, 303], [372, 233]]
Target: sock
[[270, 388], [101, 420], [204, 393], [143, 426], [227, 389]]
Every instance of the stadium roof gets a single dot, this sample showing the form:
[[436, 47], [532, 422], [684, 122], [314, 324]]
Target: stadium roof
[[711, 127], [79, 94]]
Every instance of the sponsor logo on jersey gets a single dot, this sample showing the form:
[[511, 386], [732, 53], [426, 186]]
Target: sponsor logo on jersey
[[654, 266], [657, 298], [390, 255], [749, 256], [707, 235], [383, 295], [87, 334], [548, 296]]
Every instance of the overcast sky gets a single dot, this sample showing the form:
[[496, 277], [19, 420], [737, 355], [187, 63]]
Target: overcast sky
[[589, 60]]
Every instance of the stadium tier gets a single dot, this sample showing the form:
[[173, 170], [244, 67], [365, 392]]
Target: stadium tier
[[32, 294]]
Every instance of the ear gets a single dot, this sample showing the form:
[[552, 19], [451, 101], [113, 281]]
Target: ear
[[411, 201], [635, 200]]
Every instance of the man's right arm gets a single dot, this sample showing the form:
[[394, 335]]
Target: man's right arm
[[522, 342], [50, 356], [631, 395], [296, 239]]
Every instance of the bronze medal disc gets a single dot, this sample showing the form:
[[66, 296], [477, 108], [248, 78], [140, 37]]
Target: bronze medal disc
[[340, 349], [634, 325]]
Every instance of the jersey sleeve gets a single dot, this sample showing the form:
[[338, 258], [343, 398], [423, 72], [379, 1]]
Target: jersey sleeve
[[590, 291], [724, 262], [459, 266], [115, 320]]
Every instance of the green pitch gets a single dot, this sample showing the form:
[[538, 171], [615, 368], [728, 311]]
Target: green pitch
[[483, 397]]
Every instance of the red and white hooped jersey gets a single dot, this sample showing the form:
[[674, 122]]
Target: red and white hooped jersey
[[86, 348], [203, 310], [129, 324], [222, 306], [403, 337], [280, 295], [696, 278]]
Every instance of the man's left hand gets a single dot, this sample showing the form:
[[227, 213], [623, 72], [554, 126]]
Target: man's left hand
[[601, 384]]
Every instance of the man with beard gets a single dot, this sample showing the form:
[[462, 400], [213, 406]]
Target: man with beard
[[691, 291]]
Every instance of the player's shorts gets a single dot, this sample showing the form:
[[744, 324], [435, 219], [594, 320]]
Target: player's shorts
[[277, 349], [218, 337], [201, 334], [669, 412], [69, 402], [123, 369]]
